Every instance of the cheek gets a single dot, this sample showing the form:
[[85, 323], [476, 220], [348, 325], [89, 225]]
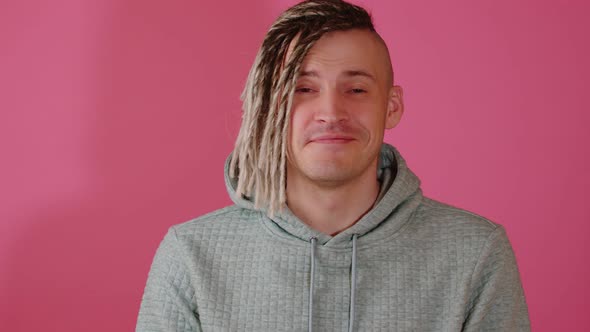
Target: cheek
[[298, 121], [369, 115], [372, 122]]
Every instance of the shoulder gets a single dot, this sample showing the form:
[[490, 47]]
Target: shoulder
[[438, 214], [448, 225], [221, 224], [463, 237]]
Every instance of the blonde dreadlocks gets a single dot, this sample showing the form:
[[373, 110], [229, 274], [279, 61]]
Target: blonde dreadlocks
[[260, 153]]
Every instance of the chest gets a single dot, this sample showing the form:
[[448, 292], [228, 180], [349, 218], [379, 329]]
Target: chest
[[268, 289]]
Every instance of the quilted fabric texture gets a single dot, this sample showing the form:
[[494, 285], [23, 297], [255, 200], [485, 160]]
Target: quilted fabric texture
[[421, 265]]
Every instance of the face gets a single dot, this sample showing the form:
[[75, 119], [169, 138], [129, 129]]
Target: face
[[343, 102]]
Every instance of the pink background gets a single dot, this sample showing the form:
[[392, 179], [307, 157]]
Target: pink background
[[116, 117]]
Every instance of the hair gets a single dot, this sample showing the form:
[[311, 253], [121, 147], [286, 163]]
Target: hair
[[259, 158]]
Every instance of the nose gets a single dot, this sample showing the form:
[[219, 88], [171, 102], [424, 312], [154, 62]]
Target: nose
[[331, 107]]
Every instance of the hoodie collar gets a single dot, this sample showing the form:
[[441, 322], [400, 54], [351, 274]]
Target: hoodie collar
[[398, 197]]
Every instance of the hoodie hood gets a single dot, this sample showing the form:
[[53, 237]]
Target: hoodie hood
[[399, 196]]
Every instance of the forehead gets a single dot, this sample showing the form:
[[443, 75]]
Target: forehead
[[342, 51]]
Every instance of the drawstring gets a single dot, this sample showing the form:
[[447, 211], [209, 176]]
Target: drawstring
[[352, 284], [313, 241]]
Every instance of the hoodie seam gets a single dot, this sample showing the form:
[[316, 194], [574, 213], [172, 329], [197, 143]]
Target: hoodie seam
[[282, 237], [401, 229], [210, 217], [485, 248], [456, 209], [373, 244]]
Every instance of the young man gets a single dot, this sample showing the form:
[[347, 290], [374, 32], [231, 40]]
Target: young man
[[330, 230]]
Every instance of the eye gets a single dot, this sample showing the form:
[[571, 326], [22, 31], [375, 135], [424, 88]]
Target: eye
[[303, 90], [358, 91]]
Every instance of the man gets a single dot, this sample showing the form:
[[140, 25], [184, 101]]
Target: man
[[330, 230]]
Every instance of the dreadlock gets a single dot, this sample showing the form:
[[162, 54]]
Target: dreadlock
[[259, 157]]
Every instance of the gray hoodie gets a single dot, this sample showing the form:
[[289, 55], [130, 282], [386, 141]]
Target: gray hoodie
[[409, 264]]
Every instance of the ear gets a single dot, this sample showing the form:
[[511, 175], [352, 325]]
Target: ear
[[395, 106]]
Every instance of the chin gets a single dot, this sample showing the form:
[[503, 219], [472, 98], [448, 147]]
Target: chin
[[329, 172]]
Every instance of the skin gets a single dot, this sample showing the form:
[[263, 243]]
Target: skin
[[343, 103]]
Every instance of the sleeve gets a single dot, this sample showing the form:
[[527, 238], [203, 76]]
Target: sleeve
[[497, 301], [168, 299]]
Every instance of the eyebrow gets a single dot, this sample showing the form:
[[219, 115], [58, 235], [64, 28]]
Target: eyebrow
[[309, 73], [353, 73], [347, 73]]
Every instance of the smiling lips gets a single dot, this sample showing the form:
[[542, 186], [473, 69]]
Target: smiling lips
[[331, 139]]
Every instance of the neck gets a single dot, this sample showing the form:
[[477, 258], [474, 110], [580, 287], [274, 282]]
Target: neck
[[333, 208]]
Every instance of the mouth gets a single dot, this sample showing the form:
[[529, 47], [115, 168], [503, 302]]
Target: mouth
[[332, 139]]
